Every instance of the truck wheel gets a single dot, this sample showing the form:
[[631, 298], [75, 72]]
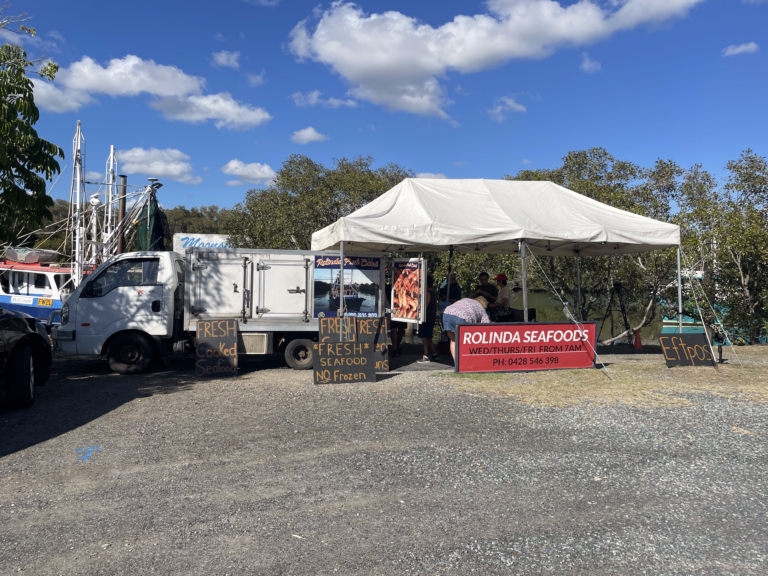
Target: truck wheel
[[20, 390], [298, 354], [130, 353]]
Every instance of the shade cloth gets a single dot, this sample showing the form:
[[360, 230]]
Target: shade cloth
[[491, 217]]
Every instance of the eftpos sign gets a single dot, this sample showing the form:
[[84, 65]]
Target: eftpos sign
[[183, 240]]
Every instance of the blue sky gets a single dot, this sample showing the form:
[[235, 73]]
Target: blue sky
[[206, 95]]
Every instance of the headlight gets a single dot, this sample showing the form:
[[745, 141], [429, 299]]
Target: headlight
[[64, 314]]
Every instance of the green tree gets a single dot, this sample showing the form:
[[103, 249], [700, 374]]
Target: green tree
[[643, 278], [725, 234], [305, 197], [26, 160]]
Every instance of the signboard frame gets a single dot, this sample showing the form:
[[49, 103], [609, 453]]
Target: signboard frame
[[698, 339], [401, 264], [226, 342], [532, 325], [369, 266]]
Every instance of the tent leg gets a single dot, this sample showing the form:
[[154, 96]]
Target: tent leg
[[448, 278], [679, 294], [525, 282], [578, 282], [342, 300]]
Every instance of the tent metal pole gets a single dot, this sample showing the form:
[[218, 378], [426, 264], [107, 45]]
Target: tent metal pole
[[525, 281], [578, 282], [679, 294], [342, 300], [448, 278]]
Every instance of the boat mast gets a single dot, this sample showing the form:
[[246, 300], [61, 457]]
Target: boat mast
[[109, 198], [77, 200]]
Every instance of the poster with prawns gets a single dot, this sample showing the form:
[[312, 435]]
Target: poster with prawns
[[408, 295]]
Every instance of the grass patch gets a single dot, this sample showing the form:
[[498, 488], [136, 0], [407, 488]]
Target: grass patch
[[634, 383]]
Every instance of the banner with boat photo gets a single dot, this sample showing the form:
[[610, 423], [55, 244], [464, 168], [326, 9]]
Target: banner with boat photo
[[359, 289]]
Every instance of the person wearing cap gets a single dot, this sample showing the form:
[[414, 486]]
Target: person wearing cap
[[465, 311], [486, 290], [500, 306]]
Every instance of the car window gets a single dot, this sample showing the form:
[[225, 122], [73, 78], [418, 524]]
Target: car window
[[179, 270], [131, 272]]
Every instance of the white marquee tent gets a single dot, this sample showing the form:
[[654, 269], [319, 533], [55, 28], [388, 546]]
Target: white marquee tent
[[495, 217]]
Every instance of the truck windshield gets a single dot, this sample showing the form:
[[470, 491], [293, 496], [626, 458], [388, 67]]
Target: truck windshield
[[130, 272]]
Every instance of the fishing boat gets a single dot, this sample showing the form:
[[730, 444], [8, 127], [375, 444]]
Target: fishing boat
[[32, 283], [352, 298]]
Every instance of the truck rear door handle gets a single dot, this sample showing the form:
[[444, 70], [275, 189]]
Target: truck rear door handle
[[296, 290], [156, 305]]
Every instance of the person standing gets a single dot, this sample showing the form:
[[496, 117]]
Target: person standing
[[427, 329], [500, 306], [454, 290], [465, 311], [486, 290]]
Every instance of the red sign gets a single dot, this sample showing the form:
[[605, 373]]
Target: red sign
[[525, 346]]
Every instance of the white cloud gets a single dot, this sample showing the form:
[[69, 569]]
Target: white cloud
[[254, 172], [222, 108], [180, 95], [431, 175], [98, 176], [54, 99], [128, 76], [255, 79], [526, 161], [269, 3], [169, 163], [748, 48], [589, 66], [506, 104], [225, 59], [220, 37], [56, 35], [308, 135], [394, 60], [313, 99]]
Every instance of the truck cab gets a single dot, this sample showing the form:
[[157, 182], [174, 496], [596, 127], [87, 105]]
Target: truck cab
[[127, 309]]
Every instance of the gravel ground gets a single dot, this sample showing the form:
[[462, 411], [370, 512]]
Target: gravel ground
[[268, 474]]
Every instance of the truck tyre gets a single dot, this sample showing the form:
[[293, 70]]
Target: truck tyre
[[298, 354], [20, 390], [130, 353]]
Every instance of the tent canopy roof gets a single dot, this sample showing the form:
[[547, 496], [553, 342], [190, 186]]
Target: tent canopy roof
[[491, 216]]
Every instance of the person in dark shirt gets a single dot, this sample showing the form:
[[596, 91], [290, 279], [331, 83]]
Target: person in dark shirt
[[454, 293], [486, 290]]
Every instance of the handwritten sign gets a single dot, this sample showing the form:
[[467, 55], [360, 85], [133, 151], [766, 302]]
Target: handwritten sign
[[357, 358], [216, 348], [686, 350], [370, 330]]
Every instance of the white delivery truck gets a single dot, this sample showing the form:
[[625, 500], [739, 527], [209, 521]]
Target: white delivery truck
[[140, 306]]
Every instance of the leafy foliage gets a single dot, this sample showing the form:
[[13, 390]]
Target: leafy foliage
[[305, 197], [26, 160]]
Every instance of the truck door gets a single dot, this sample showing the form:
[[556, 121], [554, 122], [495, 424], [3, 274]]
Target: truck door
[[124, 296], [223, 286], [284, 283]]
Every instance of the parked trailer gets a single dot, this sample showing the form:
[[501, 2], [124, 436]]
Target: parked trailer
[[141, 305]]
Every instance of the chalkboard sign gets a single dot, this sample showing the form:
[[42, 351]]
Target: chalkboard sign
[[686, 350], [371, 330], [355, 358], [216, 348]]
